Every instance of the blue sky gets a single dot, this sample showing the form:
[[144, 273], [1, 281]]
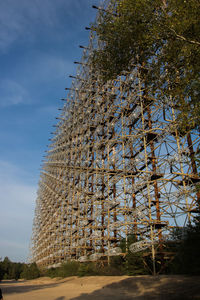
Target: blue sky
[[38, 44]]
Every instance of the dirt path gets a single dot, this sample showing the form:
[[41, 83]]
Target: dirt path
[[108, 288]]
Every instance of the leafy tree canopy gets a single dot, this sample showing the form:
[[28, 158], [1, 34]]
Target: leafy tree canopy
[[187, 259], [162, 38]]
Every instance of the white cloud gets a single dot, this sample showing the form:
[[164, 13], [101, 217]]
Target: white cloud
[[48, 110], [6, 243], [17, 210], [17, 194], [18, 18], [21, 18], [46, 67], [11, 24], [15, 251], [12, 93]]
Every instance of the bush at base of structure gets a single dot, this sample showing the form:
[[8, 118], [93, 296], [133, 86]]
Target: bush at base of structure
[[69, 269], [187, 259], [30, 272], [65, 270], [134, 265], [74, 268], [97, 269], [118, 266]]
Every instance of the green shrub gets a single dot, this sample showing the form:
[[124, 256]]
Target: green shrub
[[134, 264], [51, 272], [10, 270], [75, 268], [69, 269], [65, 270], [87, 269], [30, 271], [187, 259], [95, 268], [5, 276]]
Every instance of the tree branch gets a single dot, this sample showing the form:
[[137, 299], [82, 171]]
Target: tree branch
[[180, 37]]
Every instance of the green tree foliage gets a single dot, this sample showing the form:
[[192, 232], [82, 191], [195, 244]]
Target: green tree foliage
[[88, 269], [6, 266], [74, 268], [133, 263], [187, 260], [16, 270], [1, 270], [12, 270], [161, 38], [65, 270], [30, 271]]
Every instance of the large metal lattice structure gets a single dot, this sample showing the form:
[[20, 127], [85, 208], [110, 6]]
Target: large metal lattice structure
[[116, 165]]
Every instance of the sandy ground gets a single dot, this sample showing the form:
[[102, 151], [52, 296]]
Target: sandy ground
[[108, 288]]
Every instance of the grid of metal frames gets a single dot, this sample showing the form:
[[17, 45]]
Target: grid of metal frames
[[116, 165]]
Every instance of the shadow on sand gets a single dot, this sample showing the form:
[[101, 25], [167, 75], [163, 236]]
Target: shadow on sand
[[7, 289], [12, 281], [148, 288]]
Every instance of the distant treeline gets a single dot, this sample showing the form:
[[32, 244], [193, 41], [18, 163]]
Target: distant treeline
[[184, 245], [13, 270]]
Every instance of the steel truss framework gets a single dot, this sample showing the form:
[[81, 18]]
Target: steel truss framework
[[116, 165]]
